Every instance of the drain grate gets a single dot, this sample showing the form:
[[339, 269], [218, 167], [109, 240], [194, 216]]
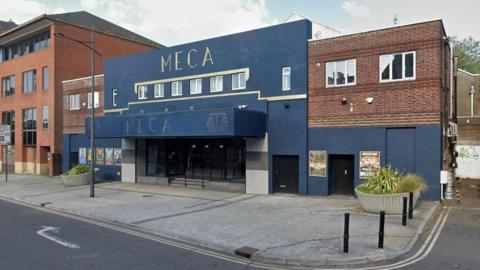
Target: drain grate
[[44, 203], [147, 196], [246, 252]]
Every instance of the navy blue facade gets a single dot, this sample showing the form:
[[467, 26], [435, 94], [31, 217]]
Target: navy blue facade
[[422, 151], [262, 109], [71, 145]]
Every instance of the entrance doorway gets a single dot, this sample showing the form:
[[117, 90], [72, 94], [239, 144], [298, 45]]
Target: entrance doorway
[[285, 174], [342, 174]]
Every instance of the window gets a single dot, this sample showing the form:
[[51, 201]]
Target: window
[[238, 81], [29, 81], [114, 97], [397, 67], [142, 92], [26, 46], [176, 88], [74, 102], [45, 117], [30, 127], [286, 78], [8, 86], [195, 86], [45, 78], [96, 96], [341, 73], [216, 84], [8, 118], [158, 90]]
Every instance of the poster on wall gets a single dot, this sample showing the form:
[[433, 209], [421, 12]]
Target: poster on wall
[[100, 156], [117, 156], [89, 155], [82, 155], [108, 156], [318, 163], [369, 163]]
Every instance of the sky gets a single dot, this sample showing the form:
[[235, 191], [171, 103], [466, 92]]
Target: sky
[[172, 22]]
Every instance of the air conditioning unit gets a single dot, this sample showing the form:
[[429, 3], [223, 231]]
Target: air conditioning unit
[[452, 129]]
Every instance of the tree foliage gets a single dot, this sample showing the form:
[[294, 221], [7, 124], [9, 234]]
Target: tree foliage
[[468, 52]]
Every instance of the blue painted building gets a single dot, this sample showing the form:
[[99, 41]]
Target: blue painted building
[[230, 112]]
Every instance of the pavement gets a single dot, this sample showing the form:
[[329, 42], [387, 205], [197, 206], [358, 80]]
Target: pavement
[[293, 230]]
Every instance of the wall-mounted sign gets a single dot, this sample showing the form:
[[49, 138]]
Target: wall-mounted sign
[[100, 156], [318, 163], [5, 134], [186, 59], [117, 156], [82, 155], [369, 163], [108, 156]]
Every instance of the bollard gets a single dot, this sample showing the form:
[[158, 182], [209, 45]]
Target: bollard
[[410, 205], [345, 232], [404, 211], [381, 231]]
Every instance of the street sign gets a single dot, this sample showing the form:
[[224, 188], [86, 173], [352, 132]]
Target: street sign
[[5, 134]]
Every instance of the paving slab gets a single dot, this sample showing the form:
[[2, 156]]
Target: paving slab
[[285, 229]]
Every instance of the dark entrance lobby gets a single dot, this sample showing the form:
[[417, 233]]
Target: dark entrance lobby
[[220, 159]]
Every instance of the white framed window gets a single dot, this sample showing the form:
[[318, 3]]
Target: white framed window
[[158, 90], [114, 97], [74, 103], [142, 92], [397, 67], [195, 86], [96, 100], [45, 117], [286, 78], [239, 81], [341, 73], [216, 84], [176, 88]]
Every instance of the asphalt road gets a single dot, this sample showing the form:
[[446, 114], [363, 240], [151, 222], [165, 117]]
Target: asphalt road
[[21, 246], [458, 246], [100, 248]]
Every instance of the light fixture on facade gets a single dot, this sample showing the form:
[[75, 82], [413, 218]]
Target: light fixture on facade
[[369, 100], [242, 107], [221, 146], [344, 100], [207, 146], [194, 146]]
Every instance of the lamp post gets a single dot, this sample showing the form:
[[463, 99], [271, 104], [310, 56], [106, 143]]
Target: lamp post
[[91, 45]]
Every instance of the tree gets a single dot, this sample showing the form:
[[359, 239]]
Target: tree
[[468, 52]]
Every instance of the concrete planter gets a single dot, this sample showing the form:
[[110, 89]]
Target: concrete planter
[[77, 180], [392, 204]]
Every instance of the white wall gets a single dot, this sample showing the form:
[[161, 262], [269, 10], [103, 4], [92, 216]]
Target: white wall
[[468, 161]]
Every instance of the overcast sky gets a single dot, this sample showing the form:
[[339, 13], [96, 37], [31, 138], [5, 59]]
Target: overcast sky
[[173, 22]]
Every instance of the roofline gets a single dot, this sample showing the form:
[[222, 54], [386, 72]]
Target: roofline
[[83, 78], [313, 20], [385, 28], [468, 73], [38, 18], [46, 17]]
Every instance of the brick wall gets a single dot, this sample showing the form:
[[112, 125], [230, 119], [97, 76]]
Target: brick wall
[[394, 103], [74, 120]]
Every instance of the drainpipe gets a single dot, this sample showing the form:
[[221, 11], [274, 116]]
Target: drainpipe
[[471, 92]]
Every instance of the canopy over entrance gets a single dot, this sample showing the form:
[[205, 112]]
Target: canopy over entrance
[[207, 123]]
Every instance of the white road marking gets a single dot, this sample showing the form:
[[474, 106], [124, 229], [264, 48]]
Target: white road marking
[[43, 233]]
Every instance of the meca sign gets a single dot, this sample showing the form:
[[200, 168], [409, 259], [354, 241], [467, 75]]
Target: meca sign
[[177, 60]]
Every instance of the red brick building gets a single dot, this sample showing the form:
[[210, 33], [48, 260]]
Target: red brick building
[[33, 64], [386, 93]]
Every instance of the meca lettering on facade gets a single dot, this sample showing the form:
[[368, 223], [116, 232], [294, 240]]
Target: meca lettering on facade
[[180, 57]]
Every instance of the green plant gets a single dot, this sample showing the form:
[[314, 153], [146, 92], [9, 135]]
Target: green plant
[[384, 181], [78, 169], [411, 183]]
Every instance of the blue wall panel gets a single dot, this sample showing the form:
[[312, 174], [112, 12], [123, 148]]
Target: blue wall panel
[[352, 140]]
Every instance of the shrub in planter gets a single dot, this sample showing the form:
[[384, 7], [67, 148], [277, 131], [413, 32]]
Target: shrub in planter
[[385, 189], [78, 175]]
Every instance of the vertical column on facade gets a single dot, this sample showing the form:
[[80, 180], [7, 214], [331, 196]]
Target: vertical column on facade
[[257, 165], [128, 160]]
